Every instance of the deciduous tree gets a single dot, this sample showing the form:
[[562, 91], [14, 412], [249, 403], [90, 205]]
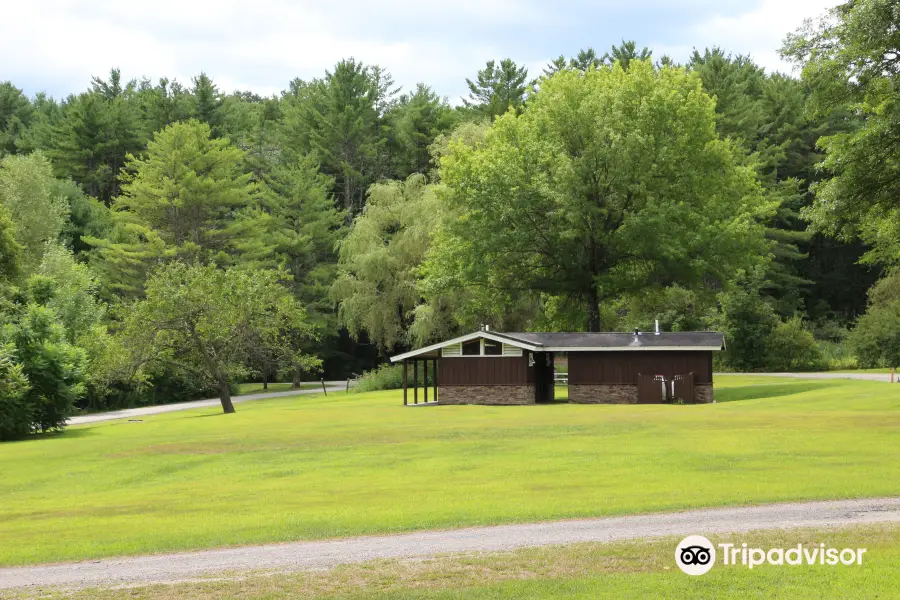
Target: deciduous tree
[[610, 182], [203, 320], [28, 191]]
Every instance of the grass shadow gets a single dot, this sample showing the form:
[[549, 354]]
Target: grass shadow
[[758, 392]]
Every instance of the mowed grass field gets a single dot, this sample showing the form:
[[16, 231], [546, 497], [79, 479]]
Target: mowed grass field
[[314, 466], [639, 569]]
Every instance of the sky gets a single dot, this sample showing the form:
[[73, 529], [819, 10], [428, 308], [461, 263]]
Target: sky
[[56, 46]]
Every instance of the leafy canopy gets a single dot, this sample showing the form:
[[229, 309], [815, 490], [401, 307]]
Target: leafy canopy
[[851, 58], [205, 321], [611, 182]]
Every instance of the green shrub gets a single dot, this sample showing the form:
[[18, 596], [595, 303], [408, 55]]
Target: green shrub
[[388, 377], [838, 355], [15, 413], [790, 347], [53, 368], [876, 339]]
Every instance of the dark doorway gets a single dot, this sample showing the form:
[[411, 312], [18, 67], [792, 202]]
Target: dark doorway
[[543, 376]]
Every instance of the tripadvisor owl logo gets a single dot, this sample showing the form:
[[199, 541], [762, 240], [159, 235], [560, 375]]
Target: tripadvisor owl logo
[[695, 555]]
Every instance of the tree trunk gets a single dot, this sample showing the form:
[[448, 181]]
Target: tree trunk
[[225, 397], [593, 310], [265, 379], [295, 380]]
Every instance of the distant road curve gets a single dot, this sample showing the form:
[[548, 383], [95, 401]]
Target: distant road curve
[[826, 375], [128, 413]]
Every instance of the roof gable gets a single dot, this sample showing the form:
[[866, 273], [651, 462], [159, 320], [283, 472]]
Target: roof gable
[[489, 335]]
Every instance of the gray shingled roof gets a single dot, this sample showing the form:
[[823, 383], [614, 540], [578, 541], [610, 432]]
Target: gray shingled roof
[[682, 339]]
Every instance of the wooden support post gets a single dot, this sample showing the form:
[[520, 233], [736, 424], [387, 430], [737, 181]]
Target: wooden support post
[[415, 381], [425, 379], [405, 380], [435, 376]]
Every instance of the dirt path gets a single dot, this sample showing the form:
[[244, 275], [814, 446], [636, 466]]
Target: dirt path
[[130, 413], [328, 553]]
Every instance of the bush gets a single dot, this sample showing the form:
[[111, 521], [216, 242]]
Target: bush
[[15, 413], [790, 347], [387, 377], [53, 368], [876, 339], [757, 340], [838, 355]]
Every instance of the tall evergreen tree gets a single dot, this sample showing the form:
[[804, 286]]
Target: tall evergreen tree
[[15, 116], [206, 103], [162, 104], [497, 88], [342, 120], [417, 120], [188, 196], [93, 139], [624, 54]]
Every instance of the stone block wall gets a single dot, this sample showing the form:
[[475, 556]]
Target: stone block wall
[[603, 394], [703, 394], [486, 394]]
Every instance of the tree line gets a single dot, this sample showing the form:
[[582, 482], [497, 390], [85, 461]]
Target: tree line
[[160, 241]]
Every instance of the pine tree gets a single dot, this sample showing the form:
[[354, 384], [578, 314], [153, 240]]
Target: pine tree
[[497, 88], [625, 53], [187, 196], [207, 103], [417, 119], [342, 121], [91, 142], [15, 115], [162, 104]]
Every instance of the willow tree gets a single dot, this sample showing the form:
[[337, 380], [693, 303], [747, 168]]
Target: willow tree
[[611, 182], [376, 287]]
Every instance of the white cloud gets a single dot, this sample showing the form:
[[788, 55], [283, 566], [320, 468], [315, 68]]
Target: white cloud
[[758, 31], [260, 45]]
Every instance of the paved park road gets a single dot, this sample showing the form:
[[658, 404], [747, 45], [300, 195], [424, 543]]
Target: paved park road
[[822, 375], [130, 413], [335, 386], [325, 554]]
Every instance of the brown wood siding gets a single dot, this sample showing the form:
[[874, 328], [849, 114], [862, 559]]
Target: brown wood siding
[[592, 368], [486, 370]]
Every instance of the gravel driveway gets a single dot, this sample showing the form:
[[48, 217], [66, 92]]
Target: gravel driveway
[[324, 554], [128, 413]]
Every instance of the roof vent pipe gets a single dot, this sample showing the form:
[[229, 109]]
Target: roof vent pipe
[[487, 327], [657, 327]]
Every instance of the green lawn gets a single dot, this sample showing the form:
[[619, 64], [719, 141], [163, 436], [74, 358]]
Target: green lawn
[[644, 569], [314, 467]]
